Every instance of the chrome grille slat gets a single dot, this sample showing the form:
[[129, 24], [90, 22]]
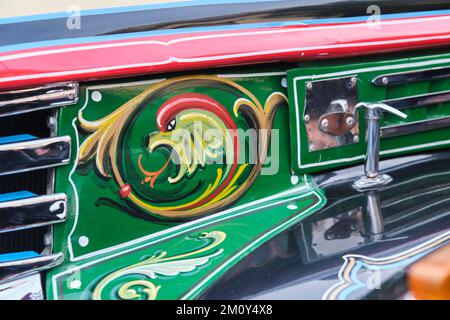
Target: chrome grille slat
[[28, 206], [39, 98], [395, 79], [32, 212], [419, 101], [415, 127], [34, 154], [15, 269]]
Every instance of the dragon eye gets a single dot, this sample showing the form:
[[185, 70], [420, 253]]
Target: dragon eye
[[171, 125]]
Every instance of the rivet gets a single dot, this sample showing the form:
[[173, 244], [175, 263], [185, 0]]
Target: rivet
[[96, 96], [385, 80], [284, 83], [75, 284], [309, 85], [83, 241], [353, 80], [312, 148], [356, 139], [324, 123]]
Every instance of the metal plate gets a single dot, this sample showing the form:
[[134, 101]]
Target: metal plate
[[325, 97]]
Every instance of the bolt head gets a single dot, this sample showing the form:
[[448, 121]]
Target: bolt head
[[324, 123], [350, 121], [306, 118], [385, 80], [356, 139], [312, 148], [309, 85]]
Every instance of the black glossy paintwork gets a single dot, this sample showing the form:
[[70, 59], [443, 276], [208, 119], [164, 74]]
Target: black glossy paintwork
[[204, 16], [304, 262]]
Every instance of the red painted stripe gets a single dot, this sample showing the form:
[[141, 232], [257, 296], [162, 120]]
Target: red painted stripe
[[206, 50]]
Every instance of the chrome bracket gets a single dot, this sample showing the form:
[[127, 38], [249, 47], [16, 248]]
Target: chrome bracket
[[328, 116]]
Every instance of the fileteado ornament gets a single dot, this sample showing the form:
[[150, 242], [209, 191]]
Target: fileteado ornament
[[160, 177]]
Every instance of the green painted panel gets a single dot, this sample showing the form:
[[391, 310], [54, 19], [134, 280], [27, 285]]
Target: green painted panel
[[306, 161], [182, 263], [126, 205]]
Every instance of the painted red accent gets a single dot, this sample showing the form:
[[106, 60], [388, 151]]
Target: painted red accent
[[186, 101], [158, 54], [125, 191]]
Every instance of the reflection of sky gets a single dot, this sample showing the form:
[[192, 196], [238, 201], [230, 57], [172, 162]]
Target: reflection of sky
[[360, 272], [359, 285]]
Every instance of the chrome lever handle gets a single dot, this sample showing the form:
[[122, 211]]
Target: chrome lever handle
[[372, 178], [375, 109]]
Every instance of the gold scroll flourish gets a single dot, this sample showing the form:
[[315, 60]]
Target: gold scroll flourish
[[160, 264]]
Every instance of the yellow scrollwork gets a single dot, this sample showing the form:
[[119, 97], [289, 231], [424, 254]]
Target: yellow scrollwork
[[127, 292], [160, 264]]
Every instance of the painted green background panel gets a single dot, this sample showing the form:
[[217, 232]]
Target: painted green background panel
[[244, 230], [92, 212]]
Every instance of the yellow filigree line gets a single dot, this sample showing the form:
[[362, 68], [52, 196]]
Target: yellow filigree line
[[160, 264]]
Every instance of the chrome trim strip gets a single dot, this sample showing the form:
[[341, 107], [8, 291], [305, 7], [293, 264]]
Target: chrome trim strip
[[419, 100], [34, 154], [12, 270], [38, 98], [394, 79], [32, 212], [414, 127]]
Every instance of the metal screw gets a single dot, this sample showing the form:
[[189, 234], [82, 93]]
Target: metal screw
[[350, 121], [385, 80], [309, 85], [306, 118], [356, 139], [324, 123]]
